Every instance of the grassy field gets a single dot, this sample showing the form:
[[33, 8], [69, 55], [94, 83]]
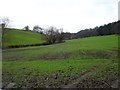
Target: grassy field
[[20, 37], [103, 45], [58, 65]]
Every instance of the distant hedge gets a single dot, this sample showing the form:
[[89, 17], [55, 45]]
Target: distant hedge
[[19, 46]]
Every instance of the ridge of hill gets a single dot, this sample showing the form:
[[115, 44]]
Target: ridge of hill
[[103, 30]]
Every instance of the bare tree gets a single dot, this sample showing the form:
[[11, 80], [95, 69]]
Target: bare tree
[[49, 35], [5, 21], [60, 35], [54, 35]]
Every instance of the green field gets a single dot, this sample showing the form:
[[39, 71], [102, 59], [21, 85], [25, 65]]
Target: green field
[[59, 65], [20, 37]]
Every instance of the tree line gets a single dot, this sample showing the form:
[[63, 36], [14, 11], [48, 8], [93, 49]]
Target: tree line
[[107, 29]]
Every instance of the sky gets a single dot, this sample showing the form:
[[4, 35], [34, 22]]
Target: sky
[[71, 15], [119, 10]]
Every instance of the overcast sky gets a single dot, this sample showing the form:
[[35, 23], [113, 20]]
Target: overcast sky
[[71, 15]]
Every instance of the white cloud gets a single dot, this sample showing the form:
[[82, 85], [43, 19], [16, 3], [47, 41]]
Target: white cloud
[[72, 15]]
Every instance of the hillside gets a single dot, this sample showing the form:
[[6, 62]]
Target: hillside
[[75, 63], [19, 37], [92, 44], [103, 30]]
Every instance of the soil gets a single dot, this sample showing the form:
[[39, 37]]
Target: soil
[[83, 82]]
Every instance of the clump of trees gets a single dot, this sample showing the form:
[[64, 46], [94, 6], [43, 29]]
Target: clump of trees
[[54, 35], [26, 28], [38, 29]]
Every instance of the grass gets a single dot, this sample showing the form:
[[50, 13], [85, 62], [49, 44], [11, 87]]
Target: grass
[[104, 76], [106, 73], [58, 64], [32, 70], [20, 37], [92, 44]]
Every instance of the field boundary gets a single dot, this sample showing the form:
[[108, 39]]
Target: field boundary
[[28, 45]]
